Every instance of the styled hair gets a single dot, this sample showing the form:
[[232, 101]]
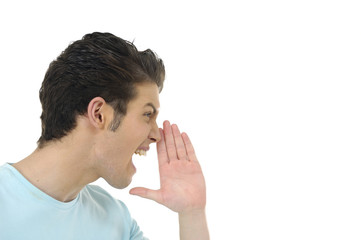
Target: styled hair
[[98, 65]]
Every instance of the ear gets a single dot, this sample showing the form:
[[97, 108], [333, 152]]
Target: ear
[[97, 112]]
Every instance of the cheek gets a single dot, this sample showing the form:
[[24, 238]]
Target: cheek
[[143, 132], [111, 148], [138, 134]]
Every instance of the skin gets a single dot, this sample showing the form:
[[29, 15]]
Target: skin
[[62, 168], [182, 185]]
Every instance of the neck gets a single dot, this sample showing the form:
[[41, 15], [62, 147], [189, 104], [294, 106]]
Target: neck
[[60, 169]]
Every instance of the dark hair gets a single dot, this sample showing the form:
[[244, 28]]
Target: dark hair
[[100, 64]]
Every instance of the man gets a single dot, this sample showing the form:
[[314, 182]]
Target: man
[[100, 100]]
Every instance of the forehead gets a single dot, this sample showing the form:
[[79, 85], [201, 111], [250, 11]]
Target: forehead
[[146, 93]]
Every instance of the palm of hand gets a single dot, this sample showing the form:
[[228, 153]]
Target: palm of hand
[[182, 184]]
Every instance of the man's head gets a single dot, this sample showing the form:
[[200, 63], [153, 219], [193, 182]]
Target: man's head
[[109, 153], [100, 65]]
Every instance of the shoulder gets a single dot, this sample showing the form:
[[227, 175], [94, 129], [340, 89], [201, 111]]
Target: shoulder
[[96, 195], [98, 201], [114, 209], [7, 175], [99, 193], [5, 170]]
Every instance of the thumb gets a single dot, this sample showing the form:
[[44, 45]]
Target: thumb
[[146, 193]]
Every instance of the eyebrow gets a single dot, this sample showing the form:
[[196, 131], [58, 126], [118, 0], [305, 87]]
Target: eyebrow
[[155, 111]]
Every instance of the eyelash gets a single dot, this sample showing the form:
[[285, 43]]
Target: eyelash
[[148, 114]]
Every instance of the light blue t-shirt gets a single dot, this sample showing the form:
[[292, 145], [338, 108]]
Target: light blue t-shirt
[[28, 213]]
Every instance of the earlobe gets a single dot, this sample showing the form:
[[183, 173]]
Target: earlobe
[[96, 112]]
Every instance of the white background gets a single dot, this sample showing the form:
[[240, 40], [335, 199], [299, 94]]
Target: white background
[[269, 92]]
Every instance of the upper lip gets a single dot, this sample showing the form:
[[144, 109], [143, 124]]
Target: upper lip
[[143, 148]]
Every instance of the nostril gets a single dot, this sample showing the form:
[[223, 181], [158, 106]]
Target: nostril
[[153, 139]]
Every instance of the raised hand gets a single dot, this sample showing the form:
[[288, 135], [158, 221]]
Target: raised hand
[[182, 184]]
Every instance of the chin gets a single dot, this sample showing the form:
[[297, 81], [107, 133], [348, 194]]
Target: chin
[[123, 179], [120, 185]]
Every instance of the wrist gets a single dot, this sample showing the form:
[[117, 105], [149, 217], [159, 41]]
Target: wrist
[[194, 213], [193, 225]]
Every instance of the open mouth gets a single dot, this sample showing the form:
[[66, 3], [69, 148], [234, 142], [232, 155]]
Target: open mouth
[[141, 152]]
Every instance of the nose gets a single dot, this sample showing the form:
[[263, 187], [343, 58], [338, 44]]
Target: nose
[[154, 135]]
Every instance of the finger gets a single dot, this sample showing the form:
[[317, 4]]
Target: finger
[[169, 141], [146, 193], [181, 150], [189, 147], [162, 150]]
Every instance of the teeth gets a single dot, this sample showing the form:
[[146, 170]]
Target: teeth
[[141, 152]]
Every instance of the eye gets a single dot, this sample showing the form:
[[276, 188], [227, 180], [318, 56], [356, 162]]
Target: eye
[[148, 114]]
